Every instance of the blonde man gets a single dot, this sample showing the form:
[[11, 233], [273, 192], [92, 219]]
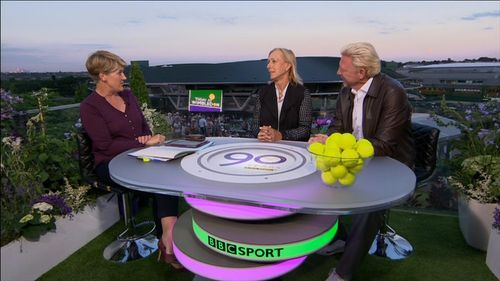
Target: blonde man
[[373, 106]]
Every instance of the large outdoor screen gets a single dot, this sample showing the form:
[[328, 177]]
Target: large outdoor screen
[[205, 101]]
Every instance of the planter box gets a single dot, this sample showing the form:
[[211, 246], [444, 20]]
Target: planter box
[[475, 222], [26, 260], [493, 254]]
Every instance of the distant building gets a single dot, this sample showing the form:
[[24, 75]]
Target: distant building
[[473, 81]]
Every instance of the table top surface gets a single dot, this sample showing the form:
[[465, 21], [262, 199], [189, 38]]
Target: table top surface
[[383, 183]]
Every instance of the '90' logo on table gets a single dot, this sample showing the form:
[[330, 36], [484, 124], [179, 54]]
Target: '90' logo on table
[[261, 159], [249, 163]]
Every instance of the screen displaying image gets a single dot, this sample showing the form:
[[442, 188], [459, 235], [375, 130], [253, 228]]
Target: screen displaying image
[[205, 101]]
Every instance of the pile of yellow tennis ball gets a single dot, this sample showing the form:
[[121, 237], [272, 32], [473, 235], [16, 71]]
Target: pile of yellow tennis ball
[[341, 157]]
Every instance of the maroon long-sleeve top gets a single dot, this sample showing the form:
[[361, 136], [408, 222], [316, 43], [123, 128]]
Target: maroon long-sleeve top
[[111, 130]]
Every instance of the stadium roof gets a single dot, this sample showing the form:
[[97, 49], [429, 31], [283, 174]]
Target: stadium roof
[[311, 69]]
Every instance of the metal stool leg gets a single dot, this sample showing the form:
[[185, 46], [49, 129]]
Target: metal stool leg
[[136, 241], [389, 244]]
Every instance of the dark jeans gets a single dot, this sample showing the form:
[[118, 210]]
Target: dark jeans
[[163, 205], [364, 228], [203, 131]]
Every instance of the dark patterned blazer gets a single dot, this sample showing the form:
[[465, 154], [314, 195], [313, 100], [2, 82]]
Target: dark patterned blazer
[[296, 117]]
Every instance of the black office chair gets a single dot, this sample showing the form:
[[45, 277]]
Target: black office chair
[[136, 241], [388, 243]]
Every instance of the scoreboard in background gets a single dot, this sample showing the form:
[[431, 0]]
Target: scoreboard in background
[[205, 101]]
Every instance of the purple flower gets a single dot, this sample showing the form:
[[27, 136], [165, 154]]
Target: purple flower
[[7, 101], [496, 219], [57, 201]]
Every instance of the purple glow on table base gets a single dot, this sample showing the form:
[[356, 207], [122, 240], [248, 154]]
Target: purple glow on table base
[[264, 272], [234, 211]]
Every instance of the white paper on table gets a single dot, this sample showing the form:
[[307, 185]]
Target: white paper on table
[[165, 153]]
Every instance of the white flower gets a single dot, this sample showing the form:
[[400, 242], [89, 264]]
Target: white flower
[[42, 206], [14, 143], [45, 218]]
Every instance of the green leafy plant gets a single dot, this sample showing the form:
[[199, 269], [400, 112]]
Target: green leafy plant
[[475, 165], [138, 84], [76, 197], [478, 178], [156, 120], [35, 161], [51, 155]]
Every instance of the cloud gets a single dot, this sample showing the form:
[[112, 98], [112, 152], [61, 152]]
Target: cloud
[[488, 28], [226, 20], [134, 21], [23, 58], [477, 16], [48, 57], [375, 22], [383, 27], [18, 50], [394, 29], [165, 17], [93, 46]]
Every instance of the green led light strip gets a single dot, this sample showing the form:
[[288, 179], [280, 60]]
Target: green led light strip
[[267, 252]]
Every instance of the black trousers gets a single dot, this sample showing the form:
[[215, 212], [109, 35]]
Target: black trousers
[[364, 228], [163, 205]]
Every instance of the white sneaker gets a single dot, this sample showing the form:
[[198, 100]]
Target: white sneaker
[[333, 248], [334, 276]]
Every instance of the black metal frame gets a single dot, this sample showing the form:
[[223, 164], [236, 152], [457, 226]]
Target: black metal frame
[[136, 235]]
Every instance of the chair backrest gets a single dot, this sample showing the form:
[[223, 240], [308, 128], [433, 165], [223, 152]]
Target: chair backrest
[[426, 143], [86, 160]]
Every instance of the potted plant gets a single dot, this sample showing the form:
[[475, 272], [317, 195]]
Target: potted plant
[[478, 186], [493, 252], [475, 167]]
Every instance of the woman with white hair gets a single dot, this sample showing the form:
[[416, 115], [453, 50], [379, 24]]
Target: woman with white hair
[[283, 107]]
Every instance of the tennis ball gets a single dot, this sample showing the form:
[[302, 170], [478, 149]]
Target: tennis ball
[[348, 179], [339, 171], [317, 148], [329, 146], [350, 157], [356, 169], [322, 163], [365, 148], [334, 138], [333, 155], [347, 141], [328, 178], [363, 140]]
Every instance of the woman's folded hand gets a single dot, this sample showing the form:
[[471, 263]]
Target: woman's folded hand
[[156, 139]]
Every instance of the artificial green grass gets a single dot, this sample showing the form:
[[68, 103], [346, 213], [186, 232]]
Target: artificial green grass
[[441, 254]]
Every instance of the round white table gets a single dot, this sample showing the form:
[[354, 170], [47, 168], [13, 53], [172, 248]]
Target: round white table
[[241, 176], [383, 183]]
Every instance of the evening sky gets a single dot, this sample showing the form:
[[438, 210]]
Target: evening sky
[[58, 35]]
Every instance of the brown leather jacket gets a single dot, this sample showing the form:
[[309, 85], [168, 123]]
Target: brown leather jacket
[[386, 118]]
